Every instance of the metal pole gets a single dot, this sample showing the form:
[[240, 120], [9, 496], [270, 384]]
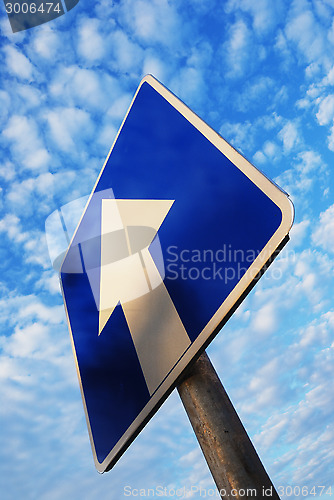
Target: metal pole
[[235, 466]]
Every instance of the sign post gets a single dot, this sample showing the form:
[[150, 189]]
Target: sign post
[[234, 464]]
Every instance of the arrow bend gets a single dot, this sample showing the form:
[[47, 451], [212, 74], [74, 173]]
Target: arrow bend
[[157, 331]]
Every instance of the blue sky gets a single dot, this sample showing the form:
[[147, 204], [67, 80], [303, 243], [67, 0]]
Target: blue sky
[[262, 75]]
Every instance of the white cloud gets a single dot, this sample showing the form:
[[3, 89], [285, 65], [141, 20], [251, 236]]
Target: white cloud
[[265, 14], [87, 87], [35, 333], [298, 232], [323, 10], [36, 367], [329, 78], [305, 31], [313, 335], [17, 309], [10, 369], [271, 149], [27, 147], [314, 91], [18, 64], [33, 243], [259, 158], [294, 279], [330, 33], [330, 139], [265, 320], [10, 224], [91, 92], [107, 136], [37, 160], [264, 387], [313, 70], [31, 195], [5, 103], [236, 50], [125, 54], [189, 85], [68, 126], [46, 43], [154, 21], [36, 250], [119, 107], [49, 281], [302, 178], [37, 310], [326, 110], [292, 422], [303, 103], [7, 171], [296, 183], [283, 49], [31, 96], [310, 161], [91, 45], [27, 341], [255, 92], [67, 186], [201, 55], [304, 421], [246, 134], [314, 271], [290, 136], [84, 88], [238, 134], [154, 66], [324, 234]]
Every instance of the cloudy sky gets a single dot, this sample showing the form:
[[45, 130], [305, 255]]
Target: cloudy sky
[[262, 75]]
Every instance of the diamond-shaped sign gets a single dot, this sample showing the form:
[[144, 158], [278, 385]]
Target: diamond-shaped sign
[[178, 228]]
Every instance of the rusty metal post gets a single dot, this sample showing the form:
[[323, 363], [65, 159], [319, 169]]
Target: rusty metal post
[[235, 466]]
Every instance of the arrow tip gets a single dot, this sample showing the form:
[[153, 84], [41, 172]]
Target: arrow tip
[[103, 318]]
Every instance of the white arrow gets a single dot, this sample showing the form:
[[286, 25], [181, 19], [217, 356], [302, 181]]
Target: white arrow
[[157, 331]]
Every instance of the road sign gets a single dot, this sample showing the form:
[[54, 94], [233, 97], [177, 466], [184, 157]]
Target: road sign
[[176, 231]]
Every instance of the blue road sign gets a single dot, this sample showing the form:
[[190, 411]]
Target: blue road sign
[[178, 228]]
